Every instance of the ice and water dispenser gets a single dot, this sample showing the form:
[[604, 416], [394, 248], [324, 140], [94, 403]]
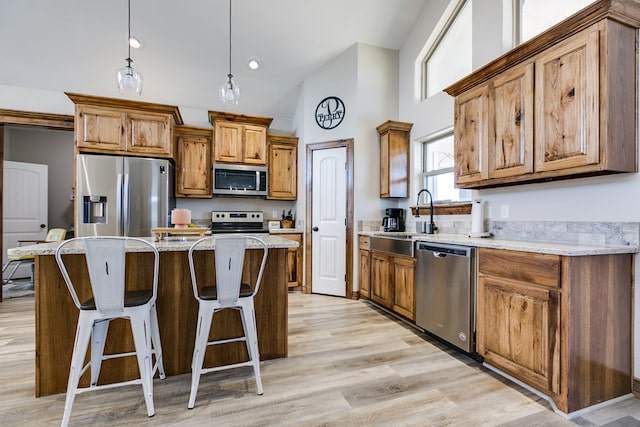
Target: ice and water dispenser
[[94, 210]]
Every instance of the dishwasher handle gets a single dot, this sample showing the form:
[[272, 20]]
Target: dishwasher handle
[[442, 250]]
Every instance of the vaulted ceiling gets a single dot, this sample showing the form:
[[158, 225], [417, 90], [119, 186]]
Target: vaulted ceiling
[[77, 45]]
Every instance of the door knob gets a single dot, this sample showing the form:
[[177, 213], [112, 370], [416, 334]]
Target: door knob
[[43, 226], [314, 229]]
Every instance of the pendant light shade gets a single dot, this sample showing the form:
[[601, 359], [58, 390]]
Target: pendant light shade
[[229, 92], [129, 80]]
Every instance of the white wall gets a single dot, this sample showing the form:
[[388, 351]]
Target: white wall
[[606, 198], [365, 78]]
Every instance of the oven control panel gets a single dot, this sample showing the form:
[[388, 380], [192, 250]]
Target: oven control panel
[[236, 216]]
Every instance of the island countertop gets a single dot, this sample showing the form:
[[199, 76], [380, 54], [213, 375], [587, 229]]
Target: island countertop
[[170, 244]]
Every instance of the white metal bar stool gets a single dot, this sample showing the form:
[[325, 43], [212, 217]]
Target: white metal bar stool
[[105, 257], [228, 292]]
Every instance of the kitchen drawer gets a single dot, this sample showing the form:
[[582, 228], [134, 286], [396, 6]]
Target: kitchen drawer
[[541, 269], [363, 242]]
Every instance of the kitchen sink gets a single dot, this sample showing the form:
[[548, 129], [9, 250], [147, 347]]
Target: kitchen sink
[[395, 245]]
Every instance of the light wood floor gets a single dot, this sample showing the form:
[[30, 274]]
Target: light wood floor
[[349, 365]]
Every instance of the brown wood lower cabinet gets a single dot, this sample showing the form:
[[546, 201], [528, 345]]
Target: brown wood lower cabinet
[[404, 286], [364, 267], [560, 324], [294, 260], [393, 283]]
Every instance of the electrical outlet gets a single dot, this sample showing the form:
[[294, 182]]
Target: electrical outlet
[[504, 211], [274, 214]]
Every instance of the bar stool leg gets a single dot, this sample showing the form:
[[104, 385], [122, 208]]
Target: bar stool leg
[[83, 335], [251, 333], [98, 338], [205, 315], [140, 325], [155, 340]]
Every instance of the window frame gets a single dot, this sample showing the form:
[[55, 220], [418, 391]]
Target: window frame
[[425, 175], [453, 15], [517, 20]]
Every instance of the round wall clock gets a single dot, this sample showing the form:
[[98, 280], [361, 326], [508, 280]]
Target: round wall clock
[[330, 112]]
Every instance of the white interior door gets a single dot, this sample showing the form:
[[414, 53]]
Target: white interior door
[[24, 205], [329, 218]]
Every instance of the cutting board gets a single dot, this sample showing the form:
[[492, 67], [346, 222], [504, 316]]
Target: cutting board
[[160, 233]]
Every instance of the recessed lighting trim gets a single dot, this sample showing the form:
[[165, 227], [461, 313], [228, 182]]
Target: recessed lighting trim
[[254, 64], [135, 42]]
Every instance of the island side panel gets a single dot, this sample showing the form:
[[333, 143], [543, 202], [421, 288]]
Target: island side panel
[[56, 318]]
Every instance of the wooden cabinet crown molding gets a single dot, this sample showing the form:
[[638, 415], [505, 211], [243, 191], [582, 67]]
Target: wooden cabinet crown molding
[[192, 131], [624, 11], [127, 104], [282, 139], [239, 118], [30, 118], [394, 125]]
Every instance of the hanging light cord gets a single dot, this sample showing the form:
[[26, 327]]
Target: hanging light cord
[[129, 37], [230, 75]]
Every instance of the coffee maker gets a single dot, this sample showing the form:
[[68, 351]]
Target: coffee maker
[[393, 220]]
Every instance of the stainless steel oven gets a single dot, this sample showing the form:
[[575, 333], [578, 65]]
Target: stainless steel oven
[[244, 222], [239, 180]]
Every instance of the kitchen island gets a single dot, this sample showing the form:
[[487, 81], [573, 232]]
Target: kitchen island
[[56, 314]]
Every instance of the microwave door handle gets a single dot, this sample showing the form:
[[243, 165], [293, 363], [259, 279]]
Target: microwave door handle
[[257, 180]]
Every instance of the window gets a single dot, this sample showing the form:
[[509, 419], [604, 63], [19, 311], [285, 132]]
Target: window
[[437, 168], [448, 57], [535, 16]]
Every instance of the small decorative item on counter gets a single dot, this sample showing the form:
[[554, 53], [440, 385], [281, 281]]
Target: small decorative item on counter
[[274, 225], [287, 220], [181, 218]]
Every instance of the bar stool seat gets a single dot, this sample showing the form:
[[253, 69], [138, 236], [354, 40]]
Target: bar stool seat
[[105, 258], [227, 293]]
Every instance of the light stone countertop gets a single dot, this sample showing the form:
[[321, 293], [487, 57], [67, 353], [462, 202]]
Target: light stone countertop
[[566, 249], [170, 244]]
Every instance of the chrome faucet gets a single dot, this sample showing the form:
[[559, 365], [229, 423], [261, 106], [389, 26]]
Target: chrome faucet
[[431, 227]]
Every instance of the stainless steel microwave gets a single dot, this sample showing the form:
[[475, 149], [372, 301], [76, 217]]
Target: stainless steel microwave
[[239, 180]]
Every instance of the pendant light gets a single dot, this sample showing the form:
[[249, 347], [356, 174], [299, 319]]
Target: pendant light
[[229, 91], [129, 80]]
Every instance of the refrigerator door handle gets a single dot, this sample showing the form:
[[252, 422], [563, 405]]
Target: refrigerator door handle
[[119, 202], [126, 205]]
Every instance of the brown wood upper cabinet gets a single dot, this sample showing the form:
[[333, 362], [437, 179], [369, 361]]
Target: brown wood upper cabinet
[[124, 127], [560, 105], [239, 139], [394, 158], [193, 162], [283, 167]]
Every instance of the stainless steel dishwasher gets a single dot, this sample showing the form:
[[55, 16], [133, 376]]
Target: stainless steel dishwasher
[[445, 292]]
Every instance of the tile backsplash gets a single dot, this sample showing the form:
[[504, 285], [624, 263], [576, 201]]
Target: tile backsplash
[[578, 232]]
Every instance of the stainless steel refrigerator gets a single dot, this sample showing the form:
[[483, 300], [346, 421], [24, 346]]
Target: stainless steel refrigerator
[[122, 196]]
